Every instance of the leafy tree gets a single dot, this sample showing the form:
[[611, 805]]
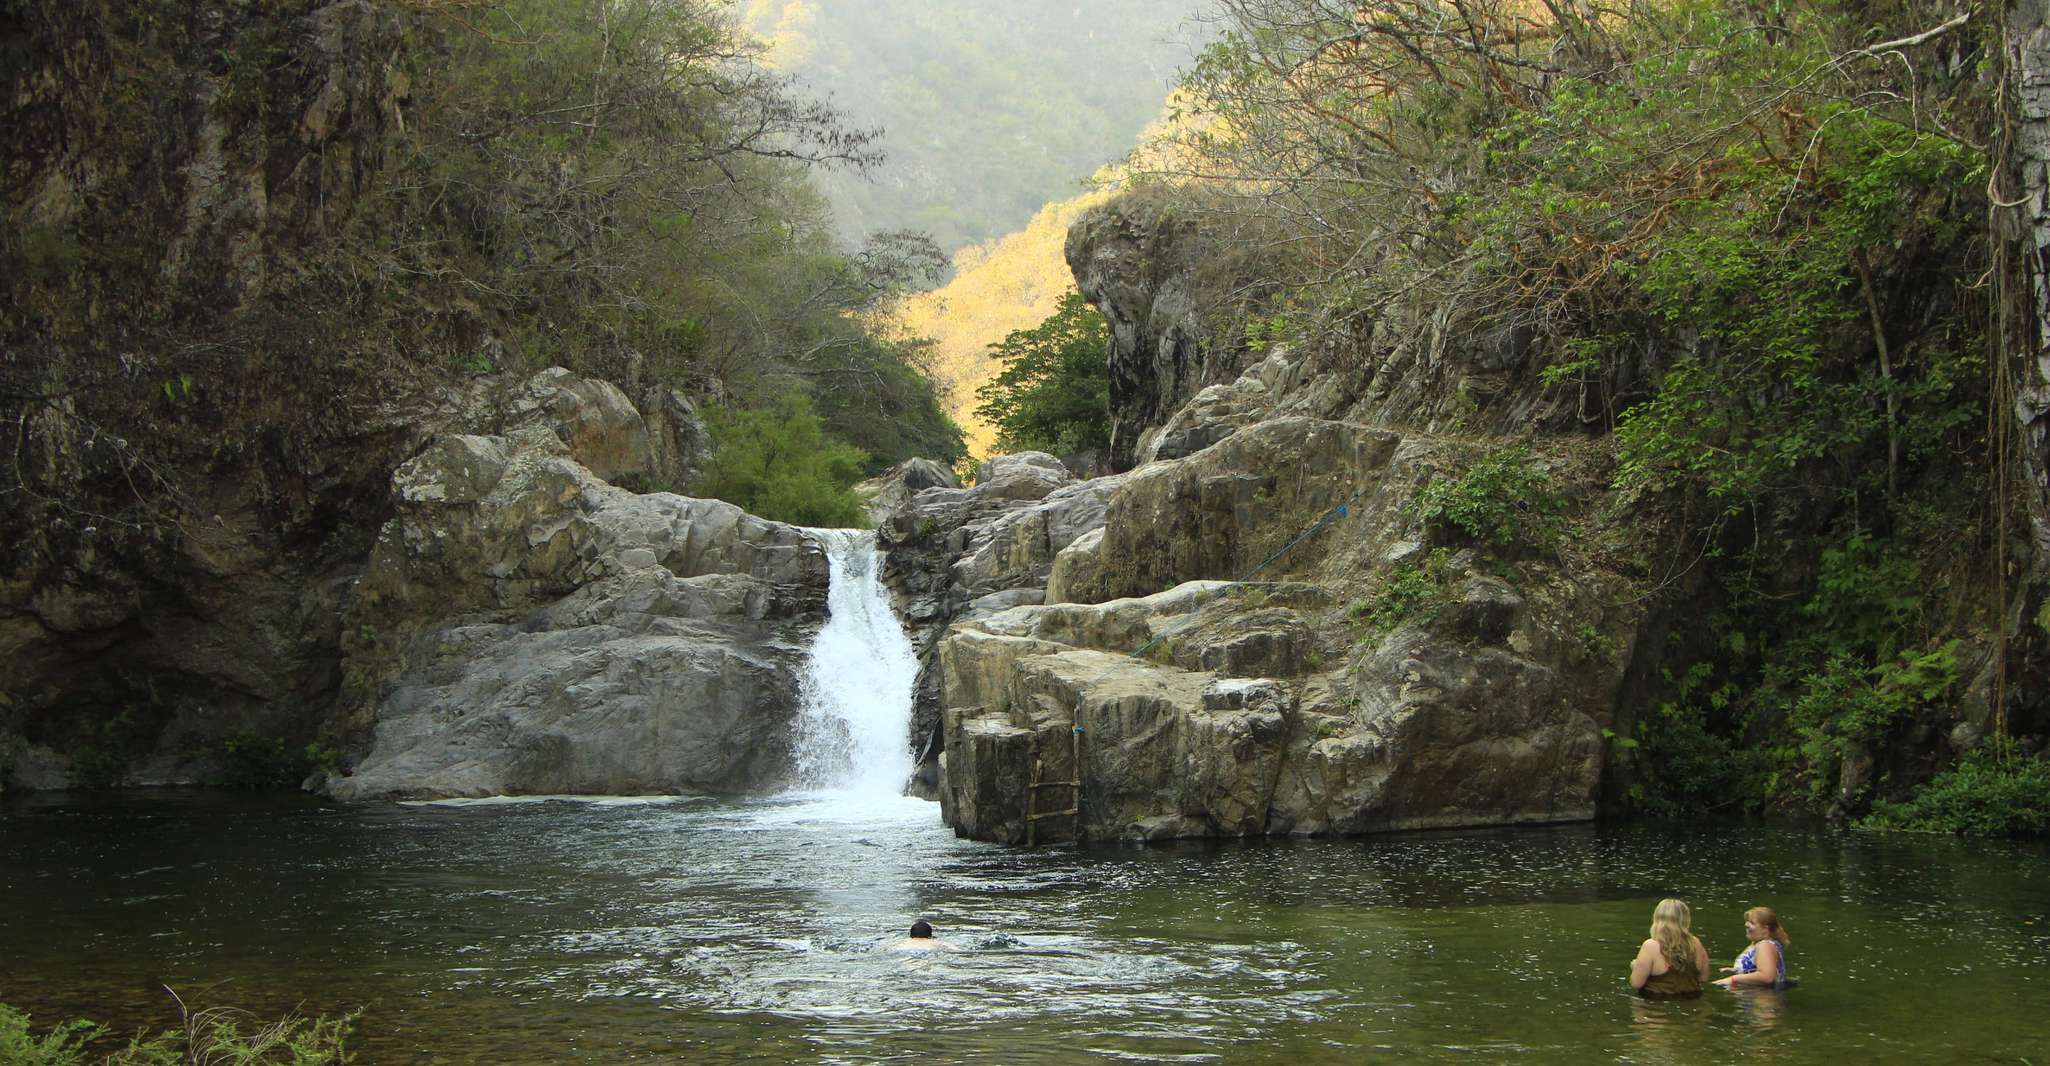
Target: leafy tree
[[778, 462], [887, 406], [1054, 391], [1749, 237], [448, 188], [622, 168]]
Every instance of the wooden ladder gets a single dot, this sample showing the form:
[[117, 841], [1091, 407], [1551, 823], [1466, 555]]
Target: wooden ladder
[[1073, 811]]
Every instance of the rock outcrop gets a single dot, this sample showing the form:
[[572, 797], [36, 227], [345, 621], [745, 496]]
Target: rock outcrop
[[526, 627], [1134, 259], [521, 625], [1210, 707], [958, 553], [1204, 632]]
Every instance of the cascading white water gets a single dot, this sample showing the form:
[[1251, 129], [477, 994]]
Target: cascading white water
[[854, 712]]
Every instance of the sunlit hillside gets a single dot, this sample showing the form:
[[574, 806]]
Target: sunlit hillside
[[987, 110], [1012, 283], [1015, 281]]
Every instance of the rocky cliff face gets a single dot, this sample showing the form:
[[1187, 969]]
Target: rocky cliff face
[[186, 525], [1201, 625], [509, 569], [1136, 265], [183, 130], [526, 627]]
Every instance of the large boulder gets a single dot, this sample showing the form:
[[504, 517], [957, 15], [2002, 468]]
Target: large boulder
[[959, 553], [1244, 713], [1017, 548], [1212, 705], [639, 682], [525, 627], [892, 490], [1243, 502], [597, 423], [929, 531]]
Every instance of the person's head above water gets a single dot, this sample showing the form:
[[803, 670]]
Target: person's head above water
[[921, 930], [1760, 923], [1672, 926], [1672, 914]]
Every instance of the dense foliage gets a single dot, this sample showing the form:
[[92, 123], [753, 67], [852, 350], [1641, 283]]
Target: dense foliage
[[1744, 243], [615, 186], [207, 1035], [1994, 791], [778, 463], [1053, 393], [638, 189]]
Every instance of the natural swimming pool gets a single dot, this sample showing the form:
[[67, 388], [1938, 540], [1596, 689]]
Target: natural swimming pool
[[715, 931]]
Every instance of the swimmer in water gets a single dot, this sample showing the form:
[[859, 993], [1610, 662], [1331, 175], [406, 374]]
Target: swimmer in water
[[1764, 963], [921, 939], [1671, 962]]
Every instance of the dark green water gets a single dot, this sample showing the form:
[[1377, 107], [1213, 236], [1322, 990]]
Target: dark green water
[[702, 931]]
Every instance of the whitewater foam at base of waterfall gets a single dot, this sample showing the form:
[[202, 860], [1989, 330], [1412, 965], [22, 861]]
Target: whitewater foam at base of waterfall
[[854, 706]]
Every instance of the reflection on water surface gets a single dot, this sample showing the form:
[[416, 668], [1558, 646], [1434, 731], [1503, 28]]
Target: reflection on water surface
[[671, 930]]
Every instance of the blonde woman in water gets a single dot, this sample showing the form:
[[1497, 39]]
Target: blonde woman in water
[[1671, 961]]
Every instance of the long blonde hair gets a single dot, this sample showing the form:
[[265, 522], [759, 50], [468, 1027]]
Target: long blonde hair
[[1765, 917], [1671, 925]]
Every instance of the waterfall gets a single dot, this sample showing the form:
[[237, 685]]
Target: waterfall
[[854, 700]]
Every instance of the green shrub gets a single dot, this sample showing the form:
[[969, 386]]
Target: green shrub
[[1868, 595], [1502, 500], [1994, 791], [1162, 650], [1407, 590], [778, 463], [1686, 753], [1053, 393], [1846, 705], [208, 1035], [1594, 643], [61, 1046], [102, 758]]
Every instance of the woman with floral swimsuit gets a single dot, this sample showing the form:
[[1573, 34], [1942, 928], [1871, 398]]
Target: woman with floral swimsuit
[[1764, 963]]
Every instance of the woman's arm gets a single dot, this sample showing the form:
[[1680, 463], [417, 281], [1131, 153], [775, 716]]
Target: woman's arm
[[1640, 967], [1700, 957], [1765, 976]]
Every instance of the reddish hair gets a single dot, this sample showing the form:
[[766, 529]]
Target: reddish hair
[[1765, 917]]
